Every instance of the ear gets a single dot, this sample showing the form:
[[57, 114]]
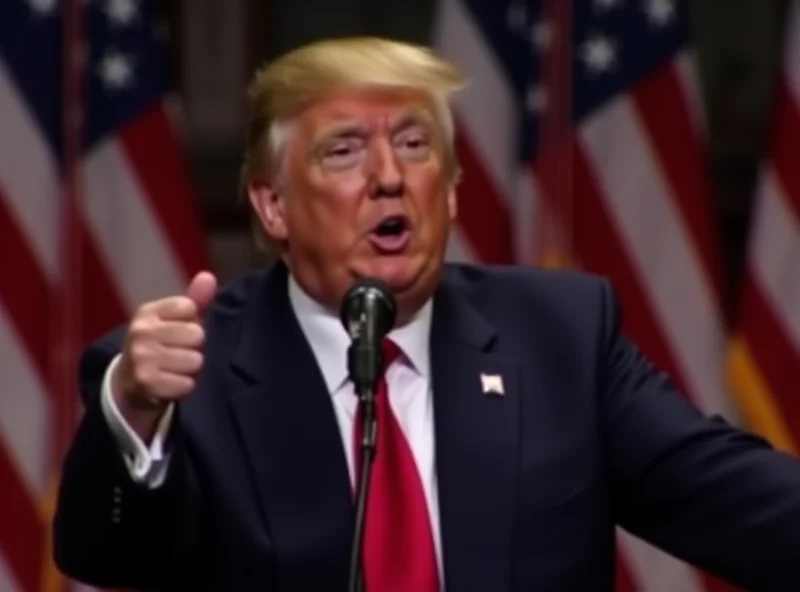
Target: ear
[[269, 206], [452, 200]]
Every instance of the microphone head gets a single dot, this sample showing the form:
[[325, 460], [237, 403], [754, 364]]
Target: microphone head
[[369, 310]]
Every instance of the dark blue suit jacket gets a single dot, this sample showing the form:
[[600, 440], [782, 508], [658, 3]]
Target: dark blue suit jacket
[[531, 485]]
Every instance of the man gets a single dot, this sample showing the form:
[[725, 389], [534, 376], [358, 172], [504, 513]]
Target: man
[[517, 425]]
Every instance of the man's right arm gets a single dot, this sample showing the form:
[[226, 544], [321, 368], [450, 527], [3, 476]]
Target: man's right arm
[[110, 529], [124, 519]]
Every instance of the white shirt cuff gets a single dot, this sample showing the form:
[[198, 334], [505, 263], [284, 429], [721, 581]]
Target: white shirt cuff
[[146, 465]]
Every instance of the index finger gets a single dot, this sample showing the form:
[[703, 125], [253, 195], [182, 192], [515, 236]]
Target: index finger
[[173, 308]]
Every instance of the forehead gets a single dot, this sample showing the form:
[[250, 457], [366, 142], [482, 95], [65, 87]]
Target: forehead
[[371, 107]]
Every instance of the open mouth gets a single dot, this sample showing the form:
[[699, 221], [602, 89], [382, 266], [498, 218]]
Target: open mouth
[[391, 235]]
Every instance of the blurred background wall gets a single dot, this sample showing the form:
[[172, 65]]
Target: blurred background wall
[[219, 44]]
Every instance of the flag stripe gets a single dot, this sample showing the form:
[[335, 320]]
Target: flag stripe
[[162, 172], [657, 241], [24, 288], [459, 248], [686, 71], [772, 351], [100, 296], [24, 410], [601, 251], [128, 233], [784, 148], [756, 399], [625, 581], [480, 213], [661, 106], [775, 251], [488, 114], [655, 570], [7, 579], [21, 534], [28, 175]]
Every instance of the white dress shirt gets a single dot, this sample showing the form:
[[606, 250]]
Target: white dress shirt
[[410, 397]]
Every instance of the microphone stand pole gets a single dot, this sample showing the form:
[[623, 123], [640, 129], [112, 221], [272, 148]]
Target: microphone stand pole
[[366, 397]]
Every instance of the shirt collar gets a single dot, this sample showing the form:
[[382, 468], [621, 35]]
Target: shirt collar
[[329, 340]]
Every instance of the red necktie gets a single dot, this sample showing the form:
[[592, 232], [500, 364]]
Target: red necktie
[[398, 548]]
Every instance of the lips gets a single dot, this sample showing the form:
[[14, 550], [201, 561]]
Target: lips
[[391, 235]]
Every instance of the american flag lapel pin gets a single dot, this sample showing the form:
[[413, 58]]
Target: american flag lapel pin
[[492, 384]]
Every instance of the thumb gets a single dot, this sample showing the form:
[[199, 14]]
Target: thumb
[[202, 290]]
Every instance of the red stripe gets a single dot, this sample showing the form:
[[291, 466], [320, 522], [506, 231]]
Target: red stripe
[[154, 152], [21, 534], [102, 304], [483, 217], [786, 130], [660, 102], [601, 251], [773, 352], [625, 581], [24, 288]]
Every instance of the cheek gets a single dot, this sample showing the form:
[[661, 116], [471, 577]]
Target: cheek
[[326, 201], [347, 185]]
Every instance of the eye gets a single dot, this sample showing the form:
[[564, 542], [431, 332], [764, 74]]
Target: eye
[[413, 145], [342, 154]]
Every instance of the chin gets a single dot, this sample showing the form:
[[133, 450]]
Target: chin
[[400, 273]]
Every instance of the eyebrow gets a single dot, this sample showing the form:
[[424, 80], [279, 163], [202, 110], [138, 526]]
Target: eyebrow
[[412, 117], [416, 116]]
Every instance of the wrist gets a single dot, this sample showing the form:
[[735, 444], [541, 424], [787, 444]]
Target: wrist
[[141, 412]]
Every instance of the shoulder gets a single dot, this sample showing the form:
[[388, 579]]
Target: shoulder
[[529, 288], [563, 311]]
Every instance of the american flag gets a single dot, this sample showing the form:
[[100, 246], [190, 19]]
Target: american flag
[[96, 216], [764, 359], [581, 133]]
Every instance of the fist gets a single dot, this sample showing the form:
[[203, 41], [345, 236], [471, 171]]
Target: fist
[[163, 349]]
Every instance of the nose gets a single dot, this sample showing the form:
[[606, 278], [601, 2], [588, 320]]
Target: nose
[[386, 176]]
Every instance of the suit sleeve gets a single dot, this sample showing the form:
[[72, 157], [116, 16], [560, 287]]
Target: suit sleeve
[[110, 531], [699, 488]]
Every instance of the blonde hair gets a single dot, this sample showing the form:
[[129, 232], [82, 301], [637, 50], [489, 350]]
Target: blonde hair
[[281, 90]]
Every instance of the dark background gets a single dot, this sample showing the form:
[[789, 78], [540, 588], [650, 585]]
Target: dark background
[[217, 45]]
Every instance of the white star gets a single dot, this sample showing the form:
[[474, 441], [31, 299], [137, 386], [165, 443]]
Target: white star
[[517, 15], [660, 13], [116, 70], [43, 7], [542, 35], [606, 4], [536, 99], [599, 53], [121, 12]]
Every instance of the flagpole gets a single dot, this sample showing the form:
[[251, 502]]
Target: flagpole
[[555, 240], [66, 315]]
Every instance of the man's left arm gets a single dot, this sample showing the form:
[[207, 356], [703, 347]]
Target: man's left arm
[[697, 487]]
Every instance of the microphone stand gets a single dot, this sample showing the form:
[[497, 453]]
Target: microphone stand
[[364, 361], [366, 397]]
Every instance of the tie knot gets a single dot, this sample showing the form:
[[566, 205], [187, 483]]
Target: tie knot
[[390, 352]]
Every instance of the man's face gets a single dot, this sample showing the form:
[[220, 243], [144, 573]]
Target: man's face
[[366, 193]]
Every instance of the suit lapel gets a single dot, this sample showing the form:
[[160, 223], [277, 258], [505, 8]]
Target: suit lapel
[[291, 437], [476, 444]]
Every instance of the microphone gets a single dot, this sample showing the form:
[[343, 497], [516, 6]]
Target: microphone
[[368, 313]]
